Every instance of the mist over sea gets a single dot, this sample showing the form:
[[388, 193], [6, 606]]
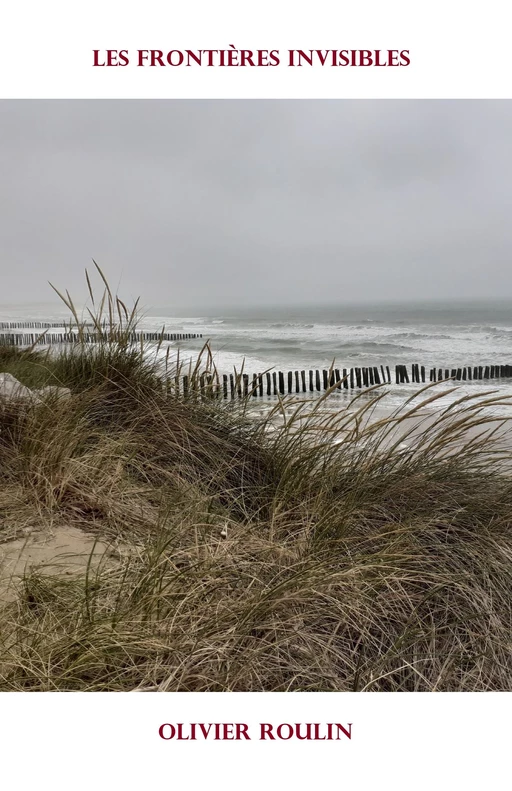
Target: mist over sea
[[441, 335]]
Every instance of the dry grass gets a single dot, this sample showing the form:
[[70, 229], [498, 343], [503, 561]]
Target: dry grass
[[320, 556]]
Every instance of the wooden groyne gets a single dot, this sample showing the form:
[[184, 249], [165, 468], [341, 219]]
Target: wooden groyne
[[275, 383], [37, 325], [46, 339]]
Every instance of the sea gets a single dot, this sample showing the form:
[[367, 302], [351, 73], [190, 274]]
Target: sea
[[436, 334]]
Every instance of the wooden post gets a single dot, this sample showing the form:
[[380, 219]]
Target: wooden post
[[290, 381], [317, 379], [358, 377], [281, 382], [345, 379], [422, 373], [397, 374], [225, 385], [311, 387], [303, 378], [260, 379], [297, 386], [267, 375], [486, 372], [324, 376], [351, 378], [274, 381]]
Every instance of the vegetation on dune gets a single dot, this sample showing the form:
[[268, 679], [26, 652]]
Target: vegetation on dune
[[335, 552]]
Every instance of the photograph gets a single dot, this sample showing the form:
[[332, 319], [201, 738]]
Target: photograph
[[255, 396]]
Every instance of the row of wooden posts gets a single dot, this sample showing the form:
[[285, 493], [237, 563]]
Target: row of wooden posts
[[29, 338], [22, 325], [281, 383]]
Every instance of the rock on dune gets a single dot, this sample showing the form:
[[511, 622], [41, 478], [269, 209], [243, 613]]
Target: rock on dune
[[11, 389], [53, 392]]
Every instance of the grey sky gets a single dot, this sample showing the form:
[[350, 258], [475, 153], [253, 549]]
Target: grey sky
[[221, 203]]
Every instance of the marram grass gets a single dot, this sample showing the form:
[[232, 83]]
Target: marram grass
[[337, 552]]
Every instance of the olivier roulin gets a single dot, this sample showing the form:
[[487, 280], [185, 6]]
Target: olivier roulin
[[237, 731]]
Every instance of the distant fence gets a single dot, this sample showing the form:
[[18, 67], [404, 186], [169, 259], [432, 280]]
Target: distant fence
[[287, 382], [31, 339], [28, 325]]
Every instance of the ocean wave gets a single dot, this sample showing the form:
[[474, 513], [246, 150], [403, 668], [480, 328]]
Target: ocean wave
[[358, 346], [282, 324], [422, 335], [490, 330]]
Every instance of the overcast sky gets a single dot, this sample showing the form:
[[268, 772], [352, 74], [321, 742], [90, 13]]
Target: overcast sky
[[223, 203]]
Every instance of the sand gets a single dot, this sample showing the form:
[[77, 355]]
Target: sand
[[62, 550]]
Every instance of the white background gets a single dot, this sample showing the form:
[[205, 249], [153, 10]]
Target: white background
[[459, 48], [400, 741]]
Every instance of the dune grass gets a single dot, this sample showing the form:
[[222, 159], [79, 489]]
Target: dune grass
[[320, 555]]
